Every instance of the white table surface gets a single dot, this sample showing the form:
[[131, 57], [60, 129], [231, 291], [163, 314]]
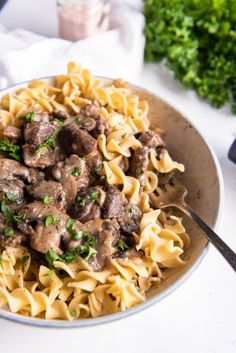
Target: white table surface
[[198, 317]]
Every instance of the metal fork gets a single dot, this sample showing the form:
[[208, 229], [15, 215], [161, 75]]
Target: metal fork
[[174, 196]]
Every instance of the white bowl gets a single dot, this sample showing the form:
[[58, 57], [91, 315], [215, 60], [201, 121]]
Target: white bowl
[[203, 179]]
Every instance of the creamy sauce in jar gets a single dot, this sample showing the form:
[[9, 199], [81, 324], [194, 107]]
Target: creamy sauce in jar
[[79, 19]]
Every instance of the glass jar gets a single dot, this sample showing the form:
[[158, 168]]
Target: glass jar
[[82, 18]]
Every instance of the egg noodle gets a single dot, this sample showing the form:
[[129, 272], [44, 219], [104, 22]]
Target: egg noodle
[[39, 291]]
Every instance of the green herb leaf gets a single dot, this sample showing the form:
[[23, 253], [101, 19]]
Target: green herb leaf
[[69, 256], [52, 256], [121, 245], [80, 201], [1, 261], [94, 196], [25, 259], [19, 218], [75, 171], [77, 121], [59, 122], [47, 199], [11, 197], [99, 168], [29, 118], [85, 251], [89, 238], [76, 235], [6, 211], [72, 312], [49, 273], [51, 220], [11, 149], [50, 142], [8, 232]]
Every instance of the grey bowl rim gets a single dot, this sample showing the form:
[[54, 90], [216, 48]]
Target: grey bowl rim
[[82, 323]]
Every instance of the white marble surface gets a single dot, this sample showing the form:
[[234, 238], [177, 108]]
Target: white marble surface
[[200, 316]]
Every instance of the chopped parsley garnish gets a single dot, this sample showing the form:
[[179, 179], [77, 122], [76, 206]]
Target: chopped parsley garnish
[[8, 232], [25, 259], [94, 196], [29, 118], [18, 218], [51, 220], [11, 149], [77, 121], [99, 168], [89, 237], [121, 245], [72, 312], [50, 142], [76, 235], [47, 199], [11, 197], [59, 122], [52, 256], [49, 273], [10, 218], [6, 212], [80, 201], [84, 251], [75, 171], [140, 171]]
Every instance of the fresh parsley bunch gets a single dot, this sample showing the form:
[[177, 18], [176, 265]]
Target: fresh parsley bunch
[[197, 39]]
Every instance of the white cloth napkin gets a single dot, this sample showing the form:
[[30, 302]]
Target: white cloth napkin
[[116, 53]]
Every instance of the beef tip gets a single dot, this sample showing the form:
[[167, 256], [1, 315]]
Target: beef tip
[[41, 158], [104, 249], [94, 164], [90, 110], [43, 237], [13, 133], [130, 219], [35, 176], [43, 117], [50, 189], [61, 115], [10, 169], [9, 236], [151, 139], [88, 204], [113, 227], [139, 164], [37, 132], [130, 253], [101, 127], [113, 204], [13, 187], [104, 236], [72, 173], [14, 240], [72, 139]]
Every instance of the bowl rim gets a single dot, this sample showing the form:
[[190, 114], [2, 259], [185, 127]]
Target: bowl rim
[[80, 323]]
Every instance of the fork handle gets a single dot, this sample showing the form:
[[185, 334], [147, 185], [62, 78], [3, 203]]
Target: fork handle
[[223, 248]]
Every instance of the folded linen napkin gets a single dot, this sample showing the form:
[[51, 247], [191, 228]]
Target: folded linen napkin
[[116, 53]]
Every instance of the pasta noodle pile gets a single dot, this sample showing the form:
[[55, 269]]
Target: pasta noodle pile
[[39, 291]]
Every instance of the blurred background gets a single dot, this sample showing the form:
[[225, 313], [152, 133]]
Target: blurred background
[[185, 52]]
